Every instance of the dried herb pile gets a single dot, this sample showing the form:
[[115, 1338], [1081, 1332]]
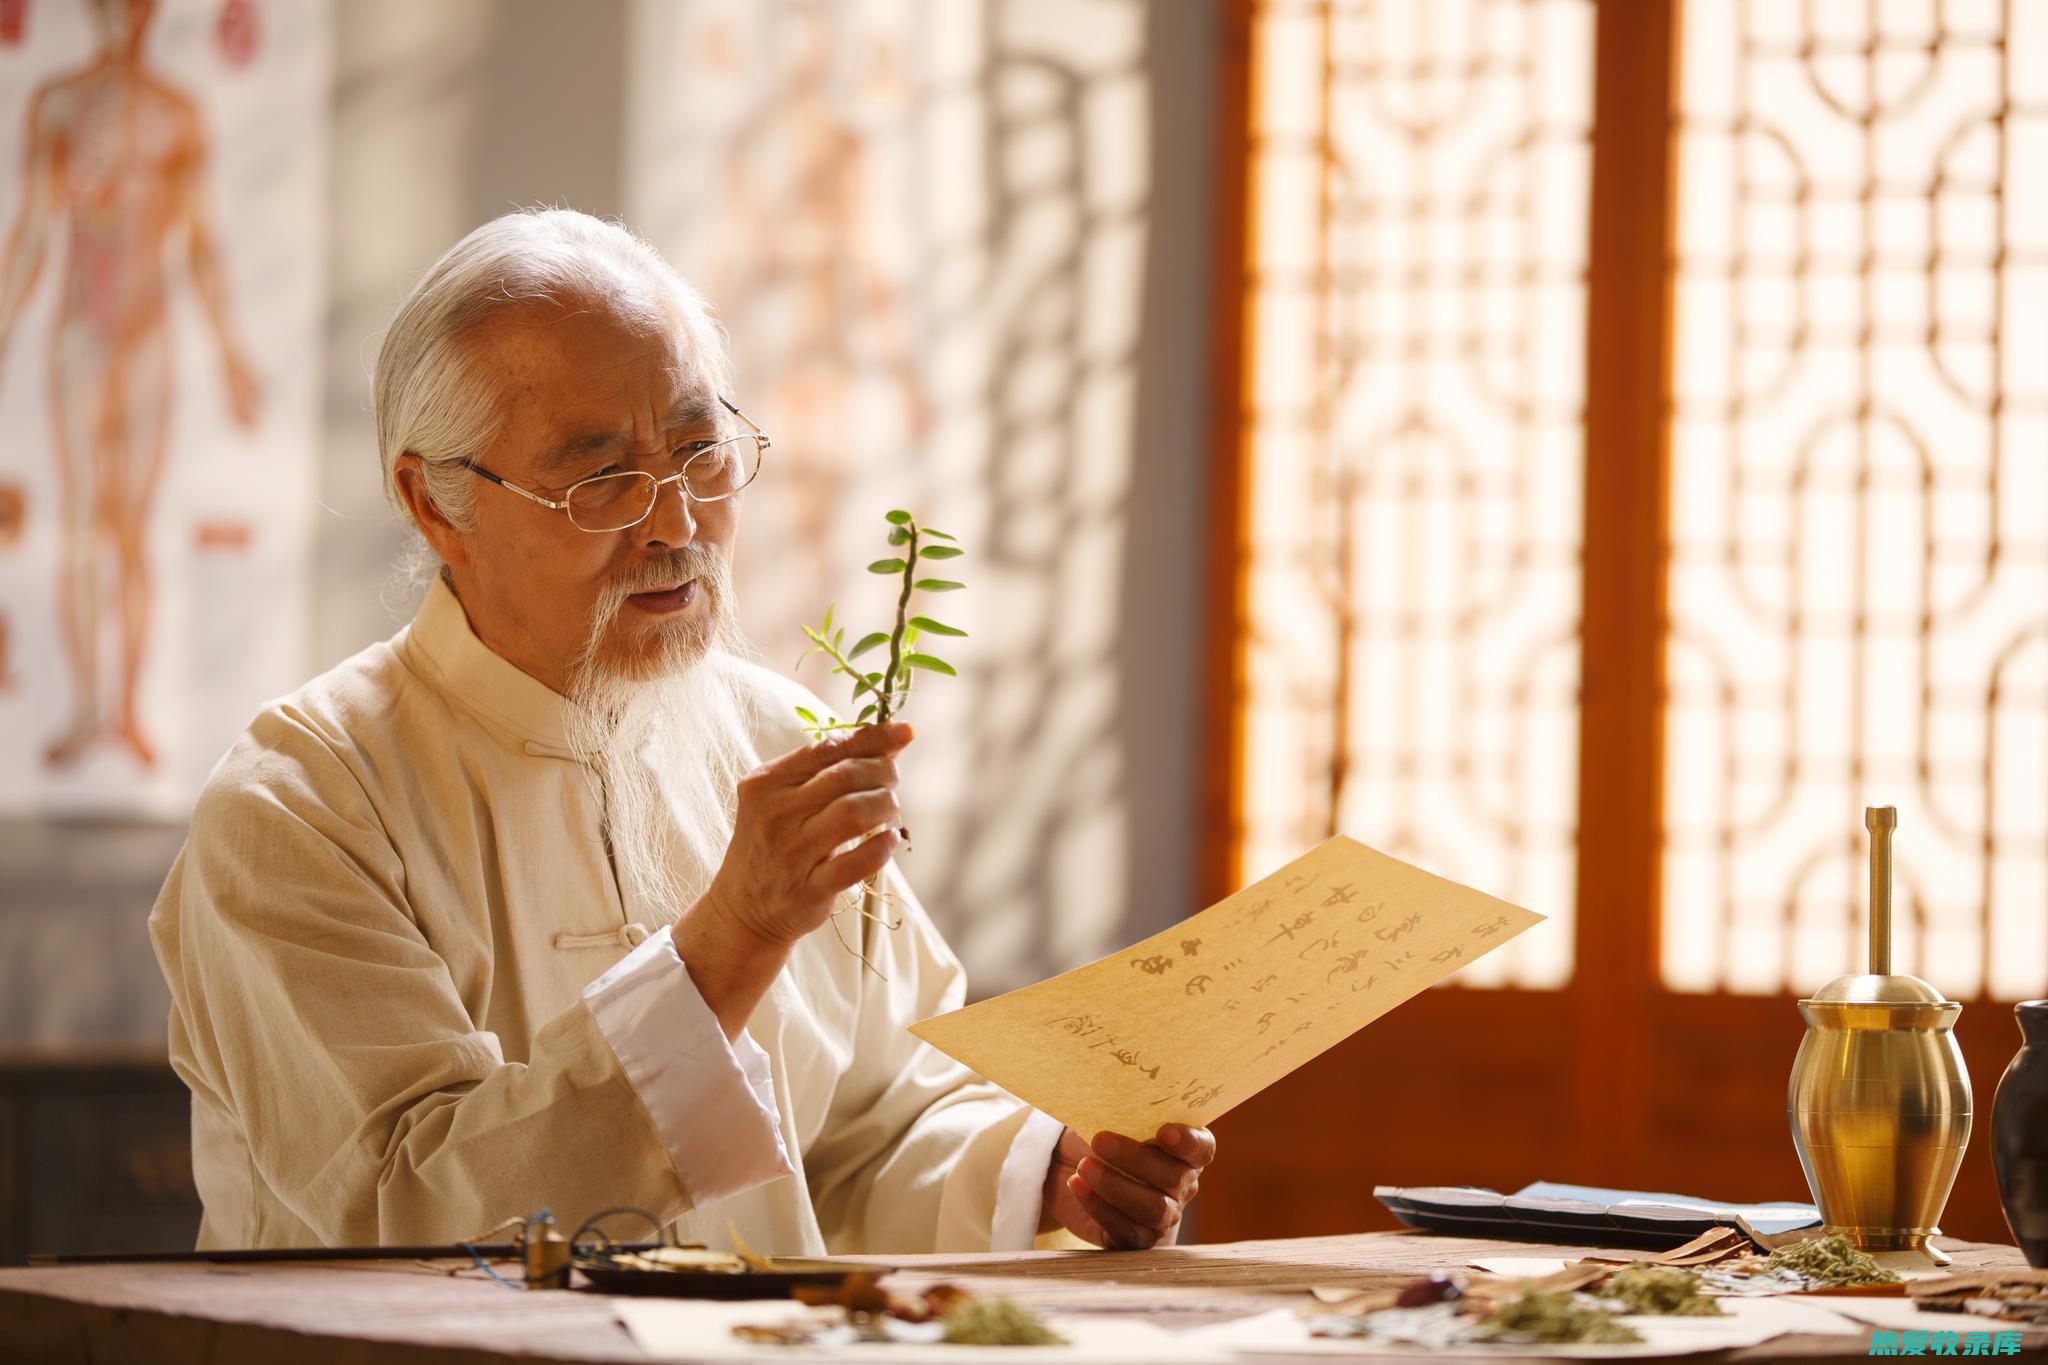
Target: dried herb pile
[[1665, 1291], [869, 1314], [1540, 1317], [1831, 1261]]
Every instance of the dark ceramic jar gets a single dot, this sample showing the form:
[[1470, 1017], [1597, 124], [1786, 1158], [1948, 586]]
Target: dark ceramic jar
[[2019, 1135]]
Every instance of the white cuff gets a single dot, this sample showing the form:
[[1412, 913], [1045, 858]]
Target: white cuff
[[713, 1102], [1020, 1188]]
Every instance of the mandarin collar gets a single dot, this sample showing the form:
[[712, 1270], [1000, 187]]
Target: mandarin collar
[[449, 652]]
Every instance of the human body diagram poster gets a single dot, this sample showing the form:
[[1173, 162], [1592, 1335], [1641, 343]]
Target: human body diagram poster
[[162, 186], [1192, 1022]]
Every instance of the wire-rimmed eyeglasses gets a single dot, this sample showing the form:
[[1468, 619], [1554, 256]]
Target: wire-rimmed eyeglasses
[[714, 471]]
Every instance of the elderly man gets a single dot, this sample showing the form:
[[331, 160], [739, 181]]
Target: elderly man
[[509, 912]]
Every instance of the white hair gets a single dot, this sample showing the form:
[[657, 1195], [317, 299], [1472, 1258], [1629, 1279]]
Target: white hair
[[433, 394]]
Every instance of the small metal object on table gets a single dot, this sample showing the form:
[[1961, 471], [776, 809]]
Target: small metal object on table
[[322, 1313]]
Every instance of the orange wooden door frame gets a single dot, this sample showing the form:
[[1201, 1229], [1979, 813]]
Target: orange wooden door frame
[[1621, 689]]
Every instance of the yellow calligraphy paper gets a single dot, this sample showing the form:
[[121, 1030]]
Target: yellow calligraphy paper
[[1191, 1022]]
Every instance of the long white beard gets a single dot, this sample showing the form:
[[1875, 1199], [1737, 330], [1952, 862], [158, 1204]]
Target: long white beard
[[667, 740]]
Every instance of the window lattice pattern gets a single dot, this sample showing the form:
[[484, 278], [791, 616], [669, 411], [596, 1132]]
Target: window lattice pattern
[[1417, 306], [1859, 578]]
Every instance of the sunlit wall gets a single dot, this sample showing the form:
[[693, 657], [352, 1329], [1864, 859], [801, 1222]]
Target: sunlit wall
[[959, 248]]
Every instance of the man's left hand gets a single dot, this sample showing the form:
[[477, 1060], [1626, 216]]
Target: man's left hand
[[1122, 1194]]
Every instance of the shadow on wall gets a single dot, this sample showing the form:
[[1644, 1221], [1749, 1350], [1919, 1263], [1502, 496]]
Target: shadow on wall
[[962, 251], [1137, 772]]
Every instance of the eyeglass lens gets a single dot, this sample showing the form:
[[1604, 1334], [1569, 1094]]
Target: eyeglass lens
[[613, 502]]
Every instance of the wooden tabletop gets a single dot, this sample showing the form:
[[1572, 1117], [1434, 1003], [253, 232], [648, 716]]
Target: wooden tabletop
[[409, 1313]]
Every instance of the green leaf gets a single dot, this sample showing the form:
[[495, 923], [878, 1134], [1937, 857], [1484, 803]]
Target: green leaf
[[827, 627], [939, 552], [925, 623], [807, 714], [899, 517], [887, 566], [868, 642], [811, 633], [928, 662], [928, 531], [875, 678], [868, 711], [899, 536], [937, 585]]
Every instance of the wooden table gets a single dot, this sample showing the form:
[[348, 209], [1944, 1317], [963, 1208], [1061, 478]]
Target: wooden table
[[411, 1313]]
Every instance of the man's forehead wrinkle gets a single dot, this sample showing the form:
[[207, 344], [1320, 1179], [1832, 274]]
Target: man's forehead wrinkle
[[693, 410], [696, 407]]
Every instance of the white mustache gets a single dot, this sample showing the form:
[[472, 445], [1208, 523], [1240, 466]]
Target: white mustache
[[658, 575]]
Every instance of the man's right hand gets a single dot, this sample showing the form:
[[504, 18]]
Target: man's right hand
[[783, 872], [785, 869]]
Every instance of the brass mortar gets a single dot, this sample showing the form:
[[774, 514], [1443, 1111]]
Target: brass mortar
[[1879, 1099]]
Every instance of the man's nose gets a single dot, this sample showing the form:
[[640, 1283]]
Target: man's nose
[[673, 522]]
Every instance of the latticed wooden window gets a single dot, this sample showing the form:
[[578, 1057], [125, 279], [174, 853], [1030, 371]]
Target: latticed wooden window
[[1636, 462], [1417, 446], [1859, 464], [1857, 571]]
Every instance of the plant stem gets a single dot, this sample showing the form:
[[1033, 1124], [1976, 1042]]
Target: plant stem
[[885, 704], [896, 636], [860, 682]]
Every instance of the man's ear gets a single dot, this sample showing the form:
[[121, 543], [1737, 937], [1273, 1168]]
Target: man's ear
[[410, 474]]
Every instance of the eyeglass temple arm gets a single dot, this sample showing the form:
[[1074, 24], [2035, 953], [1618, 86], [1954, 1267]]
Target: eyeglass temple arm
[[483, 473], [752, 426]]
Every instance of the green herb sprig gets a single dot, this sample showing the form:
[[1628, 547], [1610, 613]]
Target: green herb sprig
[[880, 695]]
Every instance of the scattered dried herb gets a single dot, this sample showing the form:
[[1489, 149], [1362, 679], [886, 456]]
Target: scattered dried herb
[[858, 1294], [870, 1315], [997, 1322], [1437, 1288], [1662, 1290], [1549, 1319], [1831, 1261]]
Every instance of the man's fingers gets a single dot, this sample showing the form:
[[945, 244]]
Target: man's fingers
[[849, 775], [1195, 1146], [857, 864], [870, 741], [1120, 1230], [1146, 1161], [1086, 1228], [1146, 1205], [852, 816]]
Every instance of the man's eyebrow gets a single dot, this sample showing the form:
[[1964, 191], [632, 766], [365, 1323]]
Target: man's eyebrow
[[699, 410]]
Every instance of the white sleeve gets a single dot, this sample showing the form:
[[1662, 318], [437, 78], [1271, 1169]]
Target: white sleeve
[[713, 1101], [1020, 1188]]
